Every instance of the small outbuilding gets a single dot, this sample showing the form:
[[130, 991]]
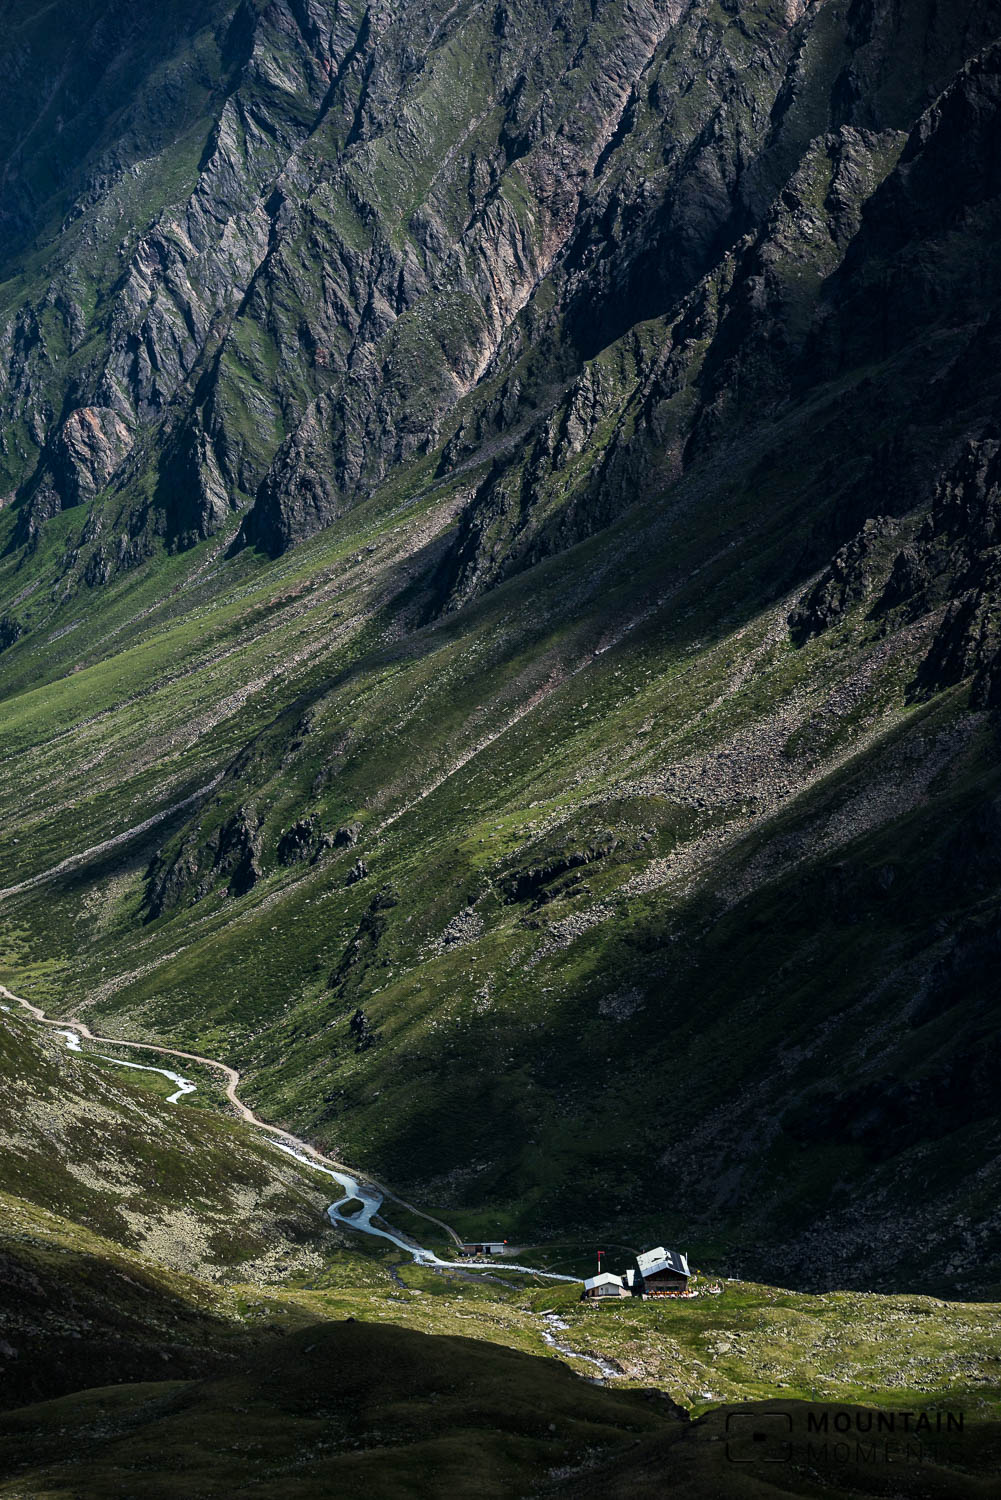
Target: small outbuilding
[[486, 1247], [600, 1288], [664, 1273]]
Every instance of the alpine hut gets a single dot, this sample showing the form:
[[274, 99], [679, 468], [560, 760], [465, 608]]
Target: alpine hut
[[664, 1273], [600, 1288]]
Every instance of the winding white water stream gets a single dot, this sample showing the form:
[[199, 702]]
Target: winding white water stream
[[372, 1199], [184, 1085], [369, 1195], [554, 1321]]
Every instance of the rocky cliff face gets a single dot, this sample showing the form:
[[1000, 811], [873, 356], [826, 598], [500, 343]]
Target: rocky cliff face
[[573, 243], [511, 494]]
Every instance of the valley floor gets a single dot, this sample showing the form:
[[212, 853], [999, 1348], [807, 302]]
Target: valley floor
[[923, 1369], [757, 1341]]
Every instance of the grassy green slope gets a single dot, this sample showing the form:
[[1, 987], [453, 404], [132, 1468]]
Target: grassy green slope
[[650, 902], [98, 1145], [537, 875], [126, 1222]]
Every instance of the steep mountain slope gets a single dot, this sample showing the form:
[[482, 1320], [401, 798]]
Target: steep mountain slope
[[499, 602], [385, 209], [175, 1162], [123, 1220]]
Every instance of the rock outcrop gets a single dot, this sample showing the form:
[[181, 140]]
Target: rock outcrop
[[576, 247]]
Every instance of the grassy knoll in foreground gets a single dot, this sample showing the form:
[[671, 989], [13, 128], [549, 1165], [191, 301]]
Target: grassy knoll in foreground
[[349, 1408]]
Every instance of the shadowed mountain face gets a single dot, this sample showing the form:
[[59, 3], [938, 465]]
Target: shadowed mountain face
[[498, 602]]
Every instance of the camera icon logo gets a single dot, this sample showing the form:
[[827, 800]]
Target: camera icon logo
[[759, 1437]]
